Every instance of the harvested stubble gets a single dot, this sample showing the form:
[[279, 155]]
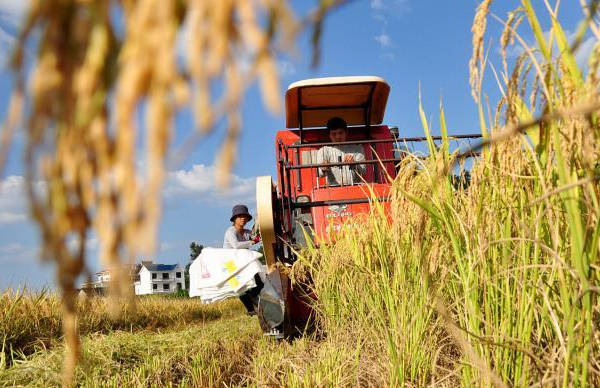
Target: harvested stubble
[[205, 355], [31, 322]]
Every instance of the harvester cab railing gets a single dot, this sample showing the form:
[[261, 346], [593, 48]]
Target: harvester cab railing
[[376, 167], [306, 160], [302, 195]]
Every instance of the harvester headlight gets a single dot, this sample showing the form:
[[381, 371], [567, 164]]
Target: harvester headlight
[[302, 199]]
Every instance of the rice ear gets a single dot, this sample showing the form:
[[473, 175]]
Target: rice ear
[[477, 58]]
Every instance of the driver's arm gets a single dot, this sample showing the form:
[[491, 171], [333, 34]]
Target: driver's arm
[[359, 168], [322, 158]]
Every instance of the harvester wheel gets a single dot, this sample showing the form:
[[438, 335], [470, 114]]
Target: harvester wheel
[[265, 204]]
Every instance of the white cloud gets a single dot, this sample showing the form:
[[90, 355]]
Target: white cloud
[[196, 183], [6, 39], [12, 200], [91, 243], [199, 183], [11, 248], [393, 6], [384, 40], [380, 17], [382, 10], [582, 54], [377, 4], [18, 253], [584, 51], [7, 42], [183, 40], [285, 68], [387, 46], [11, 218], [167, 246], [13, 11]]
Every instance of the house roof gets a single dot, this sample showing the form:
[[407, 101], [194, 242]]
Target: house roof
[[160, 267]]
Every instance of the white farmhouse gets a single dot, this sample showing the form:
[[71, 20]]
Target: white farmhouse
[[99, 283], [159, 279]]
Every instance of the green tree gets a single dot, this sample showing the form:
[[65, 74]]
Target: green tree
[[195, 250]]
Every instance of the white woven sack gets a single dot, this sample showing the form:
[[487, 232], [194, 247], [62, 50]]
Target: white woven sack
[[218, 273]]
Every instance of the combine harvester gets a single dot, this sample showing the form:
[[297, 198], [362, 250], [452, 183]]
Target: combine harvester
[[302, 200]]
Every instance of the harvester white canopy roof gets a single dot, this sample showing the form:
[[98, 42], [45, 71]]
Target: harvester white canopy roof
[[314, 101]]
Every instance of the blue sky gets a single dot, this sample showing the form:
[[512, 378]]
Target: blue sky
[[412, 44]]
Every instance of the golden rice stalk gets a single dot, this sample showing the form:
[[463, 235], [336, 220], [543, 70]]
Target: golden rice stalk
[[15, 107], [96, 70], [508, 34], [594, 66], [477, 58]]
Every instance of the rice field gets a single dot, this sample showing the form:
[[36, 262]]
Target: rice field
[[32, 321], [163, 342], [490, 284]]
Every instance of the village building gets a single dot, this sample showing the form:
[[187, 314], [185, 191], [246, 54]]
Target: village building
[[146, 278], [99, 283], [159, 279]]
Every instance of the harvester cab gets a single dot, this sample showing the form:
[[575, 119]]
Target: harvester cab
[[304, 201], [304, 198]]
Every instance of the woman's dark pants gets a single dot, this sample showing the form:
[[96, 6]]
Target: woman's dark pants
[[250, 297]]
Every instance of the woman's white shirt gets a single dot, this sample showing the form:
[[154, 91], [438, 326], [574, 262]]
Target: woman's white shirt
[[237, 240]]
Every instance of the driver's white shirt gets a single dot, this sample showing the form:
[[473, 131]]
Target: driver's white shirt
[[341, 175]]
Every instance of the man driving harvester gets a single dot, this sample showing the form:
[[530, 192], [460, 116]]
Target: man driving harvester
[[340, 175]]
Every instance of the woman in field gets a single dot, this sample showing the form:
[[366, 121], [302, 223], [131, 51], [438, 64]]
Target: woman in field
[[237, 237]]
